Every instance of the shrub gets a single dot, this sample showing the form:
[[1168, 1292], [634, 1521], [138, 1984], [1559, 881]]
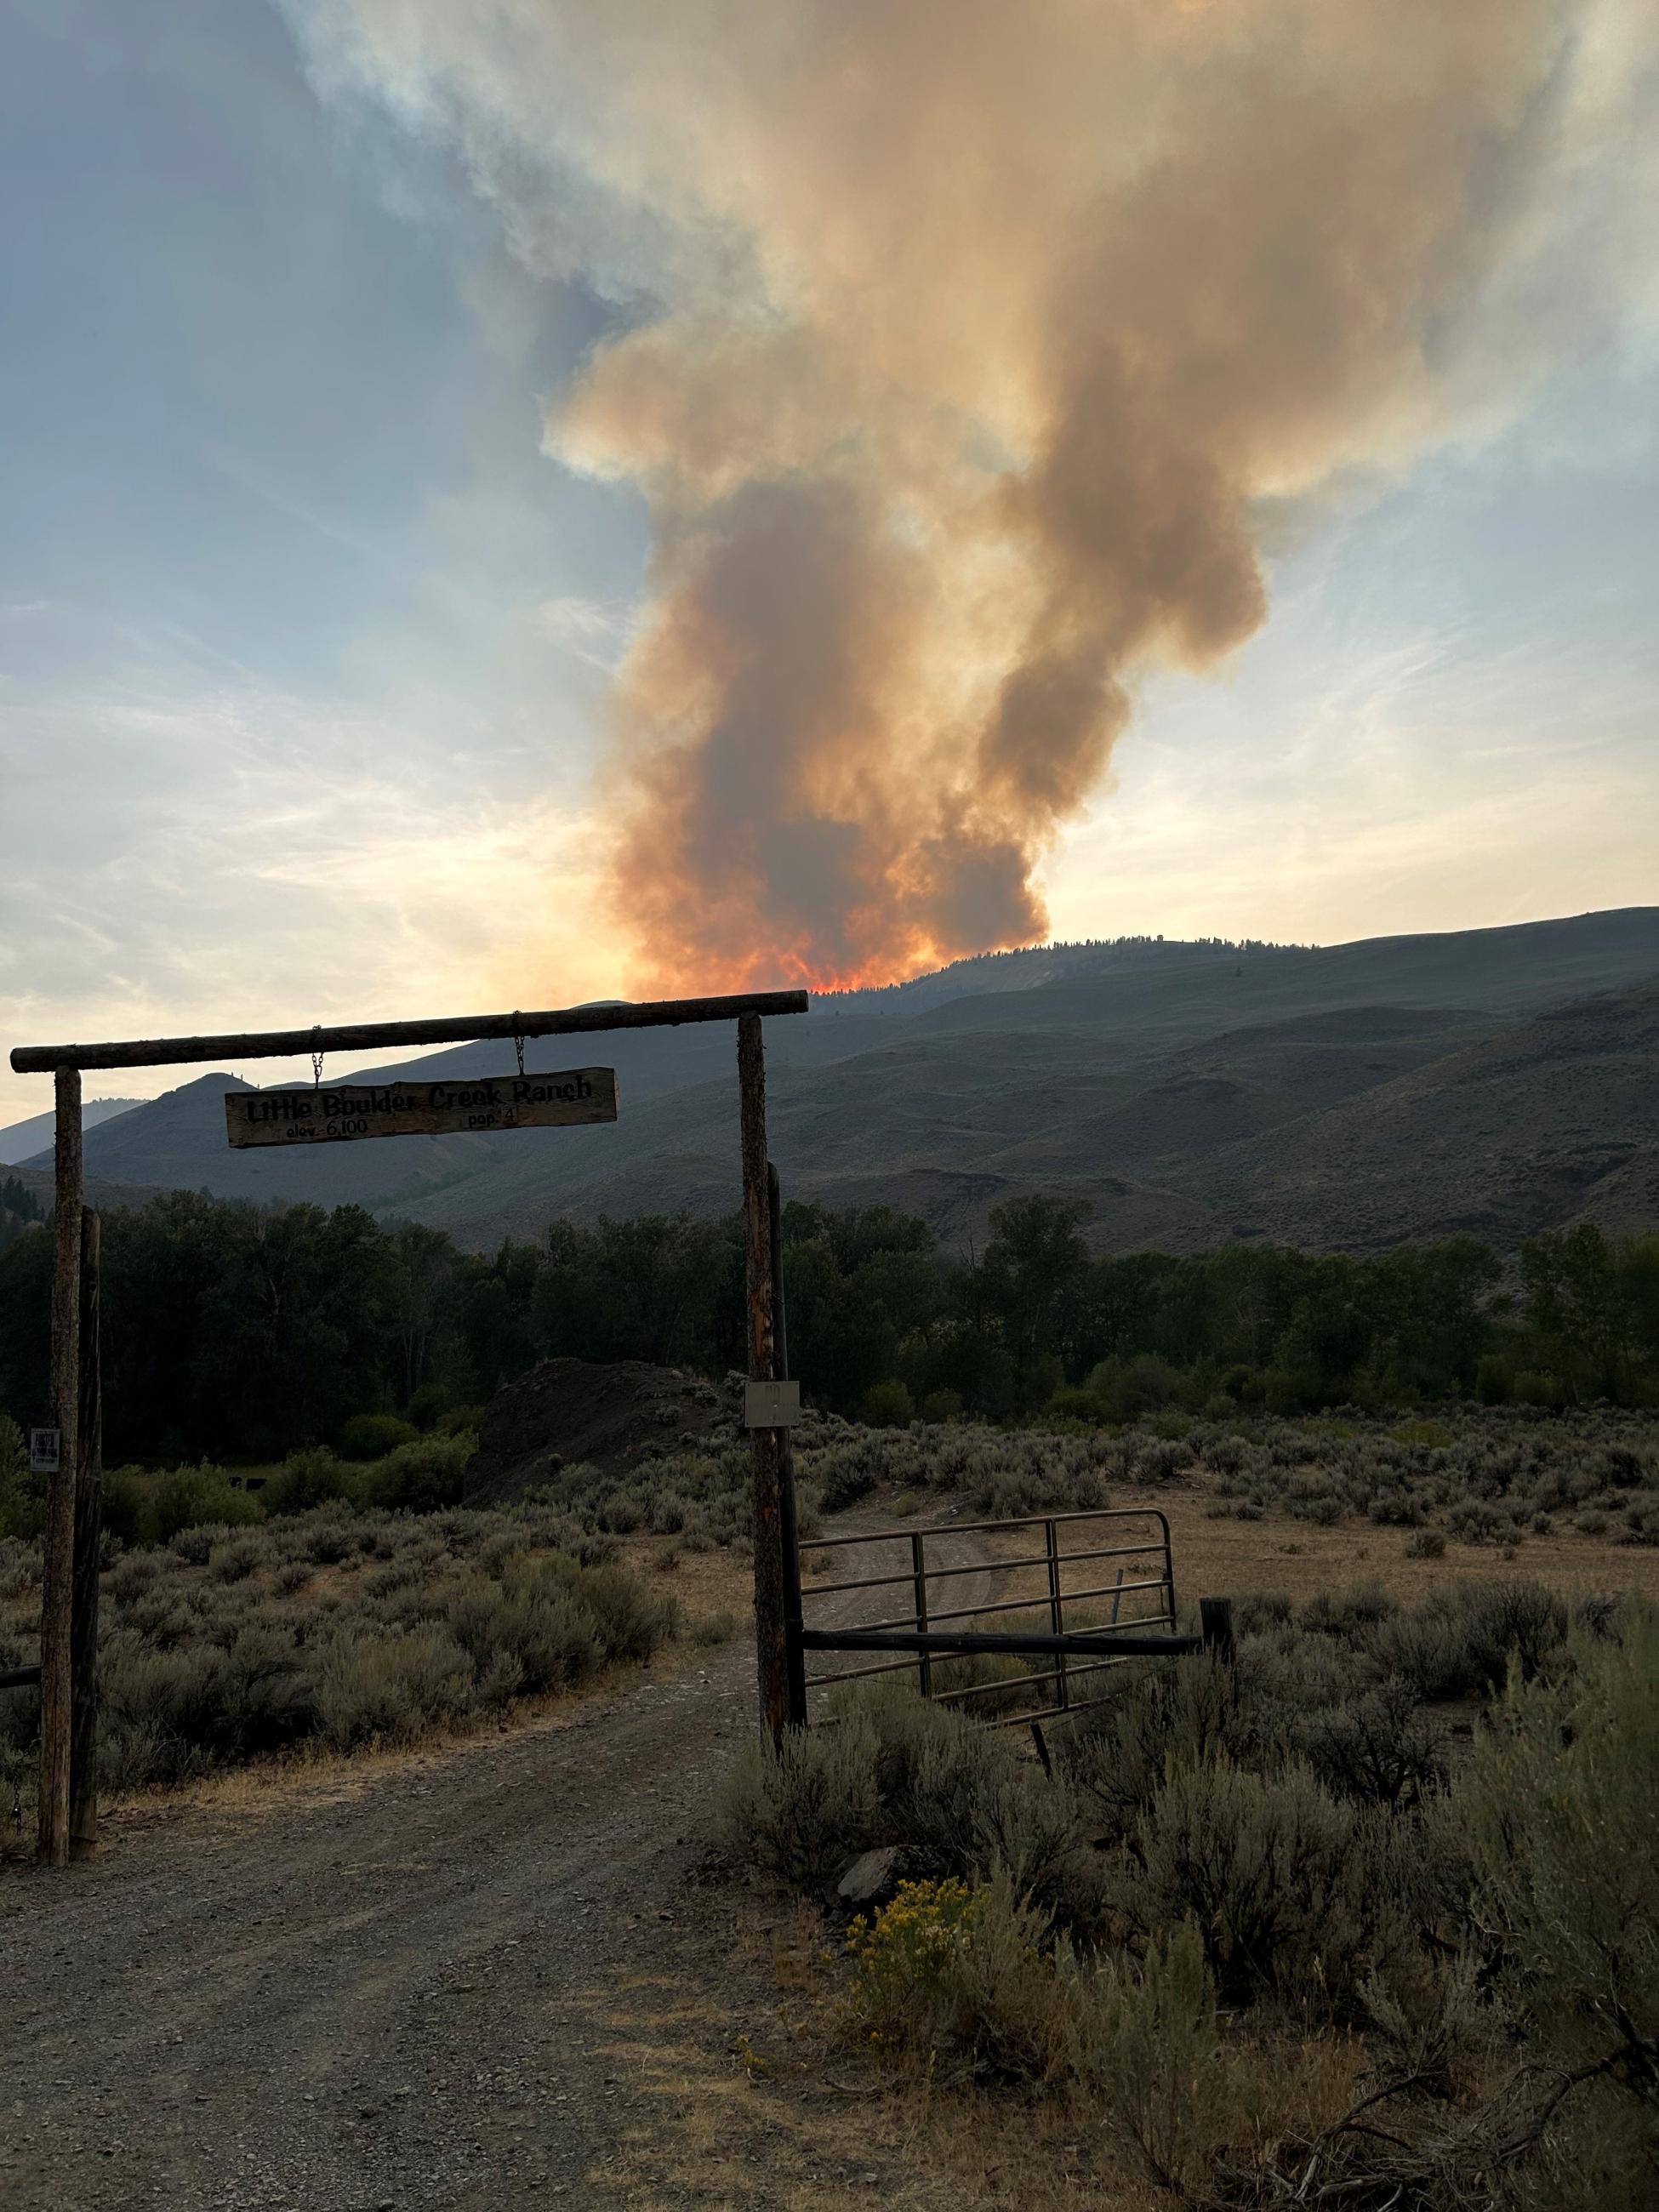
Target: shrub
[[1517, 1621], [15, 1503], [1377, 1750], [387, 1688], [909, 1957], [942, 1405], [1067, 1404], [629, 1624], [1534, 1389], [1151, 2044], [959, 1974], [372, 1436], [805, 1809], [888, 1405], [1345, 1613], [305, 1479], [427, 1404], [124, 1494], [1462, 1641], [173, 1712], [330, 1536], [236, 1558], [194, 1497], [1494, 1379], [1125, 1388], [1558, 1816], [1269, 1870], [1196, 1710], [421, 1477], [1427, 1650]]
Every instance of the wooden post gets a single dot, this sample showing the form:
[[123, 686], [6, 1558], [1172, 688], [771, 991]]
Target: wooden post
[[918, 1586], [1057, 1612], [58, 1577], [770, 1640], [788, 1525], [1215, 1618], [88, 1532]]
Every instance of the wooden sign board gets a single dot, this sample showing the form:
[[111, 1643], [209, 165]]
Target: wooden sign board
[[338, 1113]]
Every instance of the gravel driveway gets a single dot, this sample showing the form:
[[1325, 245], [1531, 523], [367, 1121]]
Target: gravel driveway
[[389, 1989], [345, 1997]]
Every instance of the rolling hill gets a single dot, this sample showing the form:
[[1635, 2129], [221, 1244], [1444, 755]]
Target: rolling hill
[[23, 1140], [1347, 1097]]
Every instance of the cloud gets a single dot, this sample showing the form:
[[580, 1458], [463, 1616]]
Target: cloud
[[596, 631], [245, 859]]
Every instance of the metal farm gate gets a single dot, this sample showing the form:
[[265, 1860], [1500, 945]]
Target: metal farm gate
[[1069, 1596]]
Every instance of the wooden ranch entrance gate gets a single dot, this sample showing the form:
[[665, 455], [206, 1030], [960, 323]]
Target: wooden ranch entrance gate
[[68, 1673]]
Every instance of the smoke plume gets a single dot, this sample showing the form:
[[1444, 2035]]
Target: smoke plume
[[962, 349]]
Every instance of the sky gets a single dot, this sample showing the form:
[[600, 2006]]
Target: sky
[[310, 635]]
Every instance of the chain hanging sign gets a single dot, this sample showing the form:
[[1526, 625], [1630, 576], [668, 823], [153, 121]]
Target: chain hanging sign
[[472, 1105]]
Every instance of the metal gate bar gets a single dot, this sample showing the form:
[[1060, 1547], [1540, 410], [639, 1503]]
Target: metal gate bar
[[919, 1638], [974, 1567]]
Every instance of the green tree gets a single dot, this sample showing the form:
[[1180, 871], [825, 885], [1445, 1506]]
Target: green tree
[[1034, 1269]]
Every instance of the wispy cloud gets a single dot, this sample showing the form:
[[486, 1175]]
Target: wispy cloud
[[256, 860], [598, 631]]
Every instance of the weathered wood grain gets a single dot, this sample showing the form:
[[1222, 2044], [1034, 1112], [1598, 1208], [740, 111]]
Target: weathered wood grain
[[233, 1046], [58, 1574], [788, 1520], [770, 1657], [88, 1532], [341, 1113]]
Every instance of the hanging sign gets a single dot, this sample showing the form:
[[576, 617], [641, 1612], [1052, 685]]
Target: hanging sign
[[336, 1113]]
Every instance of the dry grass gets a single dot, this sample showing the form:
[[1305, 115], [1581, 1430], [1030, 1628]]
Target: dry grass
[[332, 1632], [767, 2102], [1221, 1558]]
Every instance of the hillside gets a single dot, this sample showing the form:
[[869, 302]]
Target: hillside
[[1344, 1096], [23, 1140], [101, 1190], [1552, 1122]]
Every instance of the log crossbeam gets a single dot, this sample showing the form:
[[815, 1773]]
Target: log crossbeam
[[376, 1037]]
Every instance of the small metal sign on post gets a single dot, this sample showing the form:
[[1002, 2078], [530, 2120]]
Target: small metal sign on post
[[338, 1113], [46, 1451], [771, 1405]]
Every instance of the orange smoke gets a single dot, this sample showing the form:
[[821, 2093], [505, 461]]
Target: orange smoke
[[967, 345]]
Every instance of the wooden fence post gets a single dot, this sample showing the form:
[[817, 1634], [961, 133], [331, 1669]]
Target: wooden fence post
[[57, 1576], [1057, 1611], [919, 1591], [770, 1640], [88, 1532], [788, 1524]]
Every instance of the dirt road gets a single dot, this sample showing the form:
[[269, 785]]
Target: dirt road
[[487, 1976]]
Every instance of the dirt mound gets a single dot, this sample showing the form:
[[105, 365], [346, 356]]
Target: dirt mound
[[572, 1413]]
